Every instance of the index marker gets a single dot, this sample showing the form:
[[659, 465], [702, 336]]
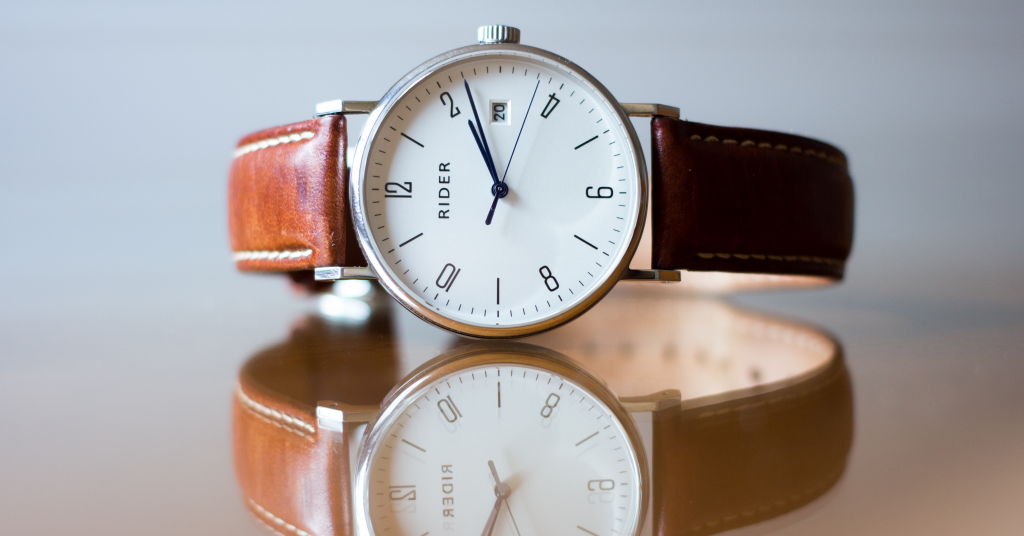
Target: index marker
[[413, 445], [406, 136], [577, 444]]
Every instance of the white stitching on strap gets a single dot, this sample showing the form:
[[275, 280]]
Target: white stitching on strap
[[788, 258], [778, 147], [278, 522], [290, 423], [272, 142], [285, 255]]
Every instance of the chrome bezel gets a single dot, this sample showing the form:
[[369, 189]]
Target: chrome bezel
[[512, 354], [361, 160]]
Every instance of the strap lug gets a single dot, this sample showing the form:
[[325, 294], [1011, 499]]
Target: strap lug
[[344, 107], [333, 415], [649, 110], [337, 273], [665, 276]]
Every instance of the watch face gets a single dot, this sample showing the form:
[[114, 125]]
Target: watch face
[[570, 182], [565, 462]]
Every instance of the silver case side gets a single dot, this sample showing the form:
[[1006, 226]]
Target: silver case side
[[361, 160]]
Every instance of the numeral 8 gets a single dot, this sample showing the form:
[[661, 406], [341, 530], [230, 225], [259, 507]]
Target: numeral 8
[[548, 278], [549, 406]]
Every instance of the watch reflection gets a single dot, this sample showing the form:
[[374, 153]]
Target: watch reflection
[[743, 417]]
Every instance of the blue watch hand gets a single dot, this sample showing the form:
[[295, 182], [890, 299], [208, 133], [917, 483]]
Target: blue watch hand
[[486, 150], [494, 204], [483, 153]]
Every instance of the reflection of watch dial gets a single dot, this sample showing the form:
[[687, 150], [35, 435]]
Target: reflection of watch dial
[[565, 226], [565, 457]]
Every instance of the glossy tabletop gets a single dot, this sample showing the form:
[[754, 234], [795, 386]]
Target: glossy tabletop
[[124, 325]]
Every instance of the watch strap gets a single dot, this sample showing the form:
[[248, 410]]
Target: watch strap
[[734, 463], [748, 201], [293, 474], [287, 203]]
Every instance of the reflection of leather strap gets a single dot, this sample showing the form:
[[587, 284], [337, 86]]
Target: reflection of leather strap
[[748, 201], [294, 476], [722, 466], [715, 466], [287, 203]]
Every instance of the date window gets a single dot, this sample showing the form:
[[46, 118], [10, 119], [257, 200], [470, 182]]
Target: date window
[[501, 112]]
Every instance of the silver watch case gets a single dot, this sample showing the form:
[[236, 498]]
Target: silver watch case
[[420, 380], [361, 161]]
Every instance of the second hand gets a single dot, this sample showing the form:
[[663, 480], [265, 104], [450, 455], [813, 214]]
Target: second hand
[[494, 204]]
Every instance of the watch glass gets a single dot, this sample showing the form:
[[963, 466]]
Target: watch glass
[[567, 224], [566, 459]]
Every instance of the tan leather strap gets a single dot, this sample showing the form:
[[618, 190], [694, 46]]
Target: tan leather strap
[[716, 465], [287, 203], [293, 475], [748, 201]]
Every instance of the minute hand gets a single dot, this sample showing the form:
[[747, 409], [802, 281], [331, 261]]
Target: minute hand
[[481, 138], [494, 204]]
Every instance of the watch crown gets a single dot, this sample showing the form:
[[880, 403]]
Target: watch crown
[[497, 33]]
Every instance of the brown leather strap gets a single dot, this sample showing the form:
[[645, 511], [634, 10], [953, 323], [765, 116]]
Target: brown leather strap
[[736, 463], [724, 200], [748, 201], [287, 203], [294, 476]]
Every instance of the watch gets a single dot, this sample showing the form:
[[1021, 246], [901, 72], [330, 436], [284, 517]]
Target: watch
[[343, 429], [499, 190]]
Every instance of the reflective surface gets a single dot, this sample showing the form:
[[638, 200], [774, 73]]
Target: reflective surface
[[124, 324], [762, 423]]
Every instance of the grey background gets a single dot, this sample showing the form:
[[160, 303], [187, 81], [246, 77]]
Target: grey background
[[123, 322]]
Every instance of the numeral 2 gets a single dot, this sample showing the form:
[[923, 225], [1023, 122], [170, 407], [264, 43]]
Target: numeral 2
[[453, 110], [396, 493]]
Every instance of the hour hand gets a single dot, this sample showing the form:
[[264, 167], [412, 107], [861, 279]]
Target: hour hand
[[489, 527], [487, 161]]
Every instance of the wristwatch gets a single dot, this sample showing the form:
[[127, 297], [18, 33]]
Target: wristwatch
[[752, 418], [527, 216]]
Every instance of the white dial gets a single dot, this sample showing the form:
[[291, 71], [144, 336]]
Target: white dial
[[565, 224], [562, 462]]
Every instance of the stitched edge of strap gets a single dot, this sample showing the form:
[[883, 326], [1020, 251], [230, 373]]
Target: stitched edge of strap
[[287, 422], [276, 521], [272, 142], [283, 255], [811, 491], [761, 257], [778, 147]]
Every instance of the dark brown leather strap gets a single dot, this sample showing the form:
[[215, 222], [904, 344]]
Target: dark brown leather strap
[[287, 203], [748, 201], [736, 463]]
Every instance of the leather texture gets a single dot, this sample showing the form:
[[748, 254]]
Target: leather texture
[[716, 465], [732, 464], [287, 203], [723, 200], [295, 476], [748, 201]]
